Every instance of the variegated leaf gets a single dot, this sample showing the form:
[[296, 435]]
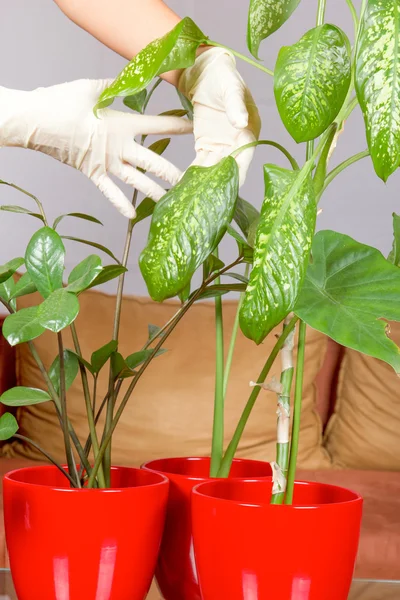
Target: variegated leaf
[[265, 17], [378, 82], [283, 242], [187, 225], [312, 79]]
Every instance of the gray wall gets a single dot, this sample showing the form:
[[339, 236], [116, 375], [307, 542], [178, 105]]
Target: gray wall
[[40, 47]]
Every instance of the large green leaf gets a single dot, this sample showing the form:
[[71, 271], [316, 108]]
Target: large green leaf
[[311, 82], [282, 249], [8, 426], [377, 81], [71, 369], [101, 356], [176, 50], [44, 260], [394, 256], [24, 396], [349, 289], [187, 225], [265, 17], [84, 274], [22, 326], [58, 311], [7, 270]]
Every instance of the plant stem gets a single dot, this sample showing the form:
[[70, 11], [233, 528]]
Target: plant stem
[[283, 425], [354, 16], [241, 56], [235, 329], [231, 450], [39, 204], [321, 12], [294, 449], [47, 455], [346, 163], [63, 400], [88, 403], [217, 449], [290, 158]]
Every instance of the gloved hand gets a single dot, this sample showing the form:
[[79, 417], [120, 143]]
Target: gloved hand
[[225, 115], [59, 121]]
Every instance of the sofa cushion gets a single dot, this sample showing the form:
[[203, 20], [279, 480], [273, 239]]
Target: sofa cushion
[[170, 412], [364, 430]]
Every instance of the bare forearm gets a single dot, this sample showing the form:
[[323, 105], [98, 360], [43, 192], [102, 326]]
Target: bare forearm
[[125, 26]]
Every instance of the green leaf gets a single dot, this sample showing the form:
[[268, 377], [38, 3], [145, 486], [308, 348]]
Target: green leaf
[[108, 273], [20, 210], [144, 210], [71, 368], [237, 276], [7, 270], [320, 171], [349, 289], [22, 326], [281, 254], [58, 311], [175, 50], [24, 286], [8, 426], [153, 331], [311, 81], [245, 216], [187, 225], [221, 289], [187, 105], [175, 112], [265, 17], [6, 291], [83, 362], [24, 396], [93, 244], [83, 275], [77, 215], [211, 264], [138, 358], [101, 356], [377, 80], [44, 260], [119, 367], [160, 146], [394, 256], [137, 101]]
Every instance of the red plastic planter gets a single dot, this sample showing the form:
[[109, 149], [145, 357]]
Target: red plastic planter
[[67, 544], [248, 549], [176, 570]]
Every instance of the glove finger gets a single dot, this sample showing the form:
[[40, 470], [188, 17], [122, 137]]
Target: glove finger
[[138, 156], [235, 104], [115, 196], [140, 181], [209, 158], [244, 158], [151, 125]]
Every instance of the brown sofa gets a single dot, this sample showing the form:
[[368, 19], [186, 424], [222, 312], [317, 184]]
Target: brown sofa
[[379, 555]]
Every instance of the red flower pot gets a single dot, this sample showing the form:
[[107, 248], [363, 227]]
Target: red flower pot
[[176, 570], [248, 549], [68, 544]]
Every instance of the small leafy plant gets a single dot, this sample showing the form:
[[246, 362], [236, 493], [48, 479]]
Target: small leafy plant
[[293, 277]]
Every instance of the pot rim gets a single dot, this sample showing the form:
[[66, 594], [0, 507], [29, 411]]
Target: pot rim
[[145, 467], [355, 500], [10, 478]]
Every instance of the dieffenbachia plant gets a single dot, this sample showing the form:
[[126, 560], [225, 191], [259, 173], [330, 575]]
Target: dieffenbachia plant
[[347, 290]]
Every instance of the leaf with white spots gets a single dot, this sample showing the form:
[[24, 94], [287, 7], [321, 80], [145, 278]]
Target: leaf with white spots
[[311, 82], [283, 241], [187, 225], [175, 50], [265, 17], [348, 291], [377, 81]]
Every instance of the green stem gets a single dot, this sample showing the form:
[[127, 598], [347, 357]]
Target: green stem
[[231, 450], [88, 403], [217, 449], [321, 12], [95, 378], [354, 16], [346, 163], [294, 449], [242, 57], [232, 344], [63, 400], [290, 158], [39, 204]]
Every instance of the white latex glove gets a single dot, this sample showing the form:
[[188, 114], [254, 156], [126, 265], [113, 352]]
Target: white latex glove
[[59, 121], [225, 115]]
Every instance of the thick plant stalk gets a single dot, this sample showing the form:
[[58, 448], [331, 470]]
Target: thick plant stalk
[[231, 450], [283, 412], [294, 449]]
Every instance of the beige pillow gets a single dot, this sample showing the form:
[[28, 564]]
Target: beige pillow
[[170, 412], [364, 430]]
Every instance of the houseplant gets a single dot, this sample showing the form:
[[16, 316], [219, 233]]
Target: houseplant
[[314, 92]]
